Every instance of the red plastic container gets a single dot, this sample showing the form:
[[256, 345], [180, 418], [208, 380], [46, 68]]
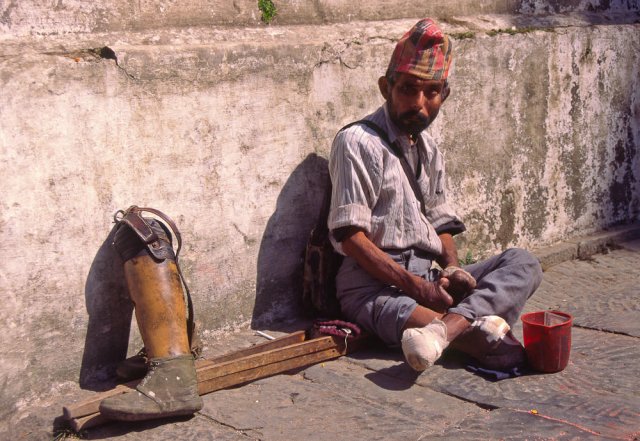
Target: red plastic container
[[547, 339]]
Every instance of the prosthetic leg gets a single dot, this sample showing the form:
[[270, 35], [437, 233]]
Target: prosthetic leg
[[154, 282]]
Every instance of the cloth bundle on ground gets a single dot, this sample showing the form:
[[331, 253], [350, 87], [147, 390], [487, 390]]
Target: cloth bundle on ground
[[339, 328]]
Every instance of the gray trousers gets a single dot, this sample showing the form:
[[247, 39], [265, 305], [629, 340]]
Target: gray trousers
[[504, 283]]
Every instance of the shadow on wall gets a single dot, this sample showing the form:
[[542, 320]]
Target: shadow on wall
[[281, 255], [110, 311]]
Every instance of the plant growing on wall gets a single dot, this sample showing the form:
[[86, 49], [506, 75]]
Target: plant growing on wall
[[268, 10], [468, 259]]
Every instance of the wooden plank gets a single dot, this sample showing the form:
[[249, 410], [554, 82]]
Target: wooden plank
[[265, 358], [90, 405], [88, 421], [238, 378], [289, 339]]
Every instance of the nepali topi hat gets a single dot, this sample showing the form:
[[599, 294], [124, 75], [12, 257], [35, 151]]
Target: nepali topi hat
[[424, 51]]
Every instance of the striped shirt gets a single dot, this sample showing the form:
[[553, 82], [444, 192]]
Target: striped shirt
[[372, 192]]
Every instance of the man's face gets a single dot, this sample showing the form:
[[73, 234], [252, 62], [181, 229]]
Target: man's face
[[413, 103]]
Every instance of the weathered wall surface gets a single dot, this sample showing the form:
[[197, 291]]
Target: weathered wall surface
[[46, 17], [553, 151], [227, 130]]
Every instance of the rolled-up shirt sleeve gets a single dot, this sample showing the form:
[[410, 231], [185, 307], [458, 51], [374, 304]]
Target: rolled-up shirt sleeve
[[445, 220], [454, 227], [355, 181]]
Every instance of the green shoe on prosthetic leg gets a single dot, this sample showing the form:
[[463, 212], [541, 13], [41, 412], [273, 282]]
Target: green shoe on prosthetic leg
[[169, 389]]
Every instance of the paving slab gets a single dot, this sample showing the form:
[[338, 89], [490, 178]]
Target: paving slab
[[597, 391], [516, 426], [198, 427], [332, 399], [602, 292], [596, 394]]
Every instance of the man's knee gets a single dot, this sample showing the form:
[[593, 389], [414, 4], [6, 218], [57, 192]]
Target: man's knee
[[530, 263]]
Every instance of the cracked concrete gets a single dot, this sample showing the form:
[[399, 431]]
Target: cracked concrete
[[241, 430], [91, 55]]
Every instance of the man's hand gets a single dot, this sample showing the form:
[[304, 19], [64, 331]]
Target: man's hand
[[432, 295], [460, 283]]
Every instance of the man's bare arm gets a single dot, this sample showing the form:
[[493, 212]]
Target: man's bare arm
[[377, 263], [449, 256]]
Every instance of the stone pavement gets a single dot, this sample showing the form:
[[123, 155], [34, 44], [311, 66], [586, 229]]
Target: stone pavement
[[374, 395]]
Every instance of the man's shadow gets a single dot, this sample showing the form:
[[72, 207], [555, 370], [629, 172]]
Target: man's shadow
[[281, 255], [110, 311]]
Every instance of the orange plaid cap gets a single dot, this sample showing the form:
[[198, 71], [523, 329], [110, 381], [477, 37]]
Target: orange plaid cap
[[424, 51]]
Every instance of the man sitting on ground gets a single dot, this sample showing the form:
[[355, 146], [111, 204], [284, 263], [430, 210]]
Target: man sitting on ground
[[391, 218]]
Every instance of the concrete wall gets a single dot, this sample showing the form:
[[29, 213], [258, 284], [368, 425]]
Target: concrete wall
[[227, 127], [47, 17]]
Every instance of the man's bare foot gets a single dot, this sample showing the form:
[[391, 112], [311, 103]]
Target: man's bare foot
[[509, 353], [490, 342]]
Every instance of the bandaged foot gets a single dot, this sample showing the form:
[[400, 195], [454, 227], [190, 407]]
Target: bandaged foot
[[492, 327], [423, 346]]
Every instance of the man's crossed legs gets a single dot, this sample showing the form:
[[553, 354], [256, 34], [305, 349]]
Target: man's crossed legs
[[477, 325]]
